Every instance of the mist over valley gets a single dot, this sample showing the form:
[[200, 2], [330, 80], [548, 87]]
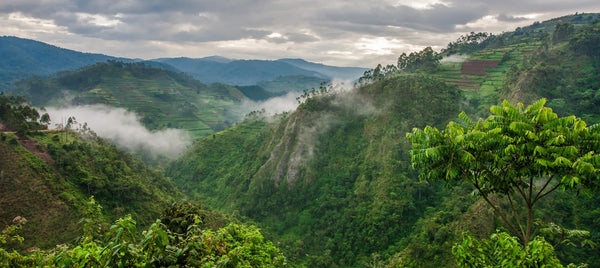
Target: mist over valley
[[438, 156]]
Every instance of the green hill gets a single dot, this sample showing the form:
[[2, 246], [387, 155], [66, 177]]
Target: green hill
[[60, 190], [22, 58], [332, 181], [163, 99], [328, 180], [48, 177]]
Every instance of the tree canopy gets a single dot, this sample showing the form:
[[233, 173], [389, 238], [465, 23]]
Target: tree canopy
[[426, 60], [520, 153]]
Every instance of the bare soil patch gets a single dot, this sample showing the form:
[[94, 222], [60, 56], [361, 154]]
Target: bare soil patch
[[477, 67], [38, 149]]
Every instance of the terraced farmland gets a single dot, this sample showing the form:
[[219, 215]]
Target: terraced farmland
[[162, 99], [480, 75]]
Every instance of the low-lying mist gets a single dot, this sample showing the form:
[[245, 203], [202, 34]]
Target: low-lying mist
[[123, 128], [273, 105], [454, 58], [288, 102]]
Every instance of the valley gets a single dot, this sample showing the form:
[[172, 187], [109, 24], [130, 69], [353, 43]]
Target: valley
[[330, 182]]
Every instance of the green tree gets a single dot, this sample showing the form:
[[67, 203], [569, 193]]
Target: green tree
[[503, 250], [426, 60], [517, 155], [563, 32], [45, 119]]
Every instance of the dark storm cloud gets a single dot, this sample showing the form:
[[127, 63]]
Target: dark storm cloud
[[320, 28], [439, 18], [189, 20]]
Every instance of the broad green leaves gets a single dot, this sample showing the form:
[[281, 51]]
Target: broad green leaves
[[513, 143], [518, 151], [503, 250], [234, 245]]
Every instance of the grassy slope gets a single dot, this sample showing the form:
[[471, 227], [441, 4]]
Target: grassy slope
[[32, 189], [50, 186]]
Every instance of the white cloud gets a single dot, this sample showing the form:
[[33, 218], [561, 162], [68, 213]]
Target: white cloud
[[20, 24], [123, 128], [97, 19], [274, 105]]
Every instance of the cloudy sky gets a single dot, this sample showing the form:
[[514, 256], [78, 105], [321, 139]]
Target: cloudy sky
[[345, 33]]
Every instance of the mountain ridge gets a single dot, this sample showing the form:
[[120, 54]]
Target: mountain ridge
[[21, 58]]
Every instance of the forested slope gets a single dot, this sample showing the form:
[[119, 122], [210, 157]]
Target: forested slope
[[333, 181], [60, 191], [48, 176]]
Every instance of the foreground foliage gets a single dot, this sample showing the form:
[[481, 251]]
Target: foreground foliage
[[503, 250], [234, 245]]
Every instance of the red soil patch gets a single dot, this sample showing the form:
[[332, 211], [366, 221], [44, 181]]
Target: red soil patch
[[527, 51], [477, 67], [39, 150]]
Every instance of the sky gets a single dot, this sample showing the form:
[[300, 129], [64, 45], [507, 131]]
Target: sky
[[342, 33]]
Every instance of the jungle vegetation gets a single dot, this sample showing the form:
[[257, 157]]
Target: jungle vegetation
[[391, 173]]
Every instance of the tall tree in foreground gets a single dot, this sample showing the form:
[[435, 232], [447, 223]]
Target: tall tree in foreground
[[519, 155]]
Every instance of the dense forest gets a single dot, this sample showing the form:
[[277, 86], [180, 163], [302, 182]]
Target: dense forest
[[484, 162], [333, 181]]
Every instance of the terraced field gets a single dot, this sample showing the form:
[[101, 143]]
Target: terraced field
[[480, 75], [162, 99], [163, 103]]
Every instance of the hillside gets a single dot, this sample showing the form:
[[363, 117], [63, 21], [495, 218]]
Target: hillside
[[526, 64], [48, 176], [22, 58], [162, 99], [331, 176], [63, 188], [332, 181]]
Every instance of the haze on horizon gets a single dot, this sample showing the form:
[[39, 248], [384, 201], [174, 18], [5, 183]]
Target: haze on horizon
[[342, 33]]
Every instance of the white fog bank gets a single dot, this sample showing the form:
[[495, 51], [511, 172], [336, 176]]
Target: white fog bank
[[123, 128]]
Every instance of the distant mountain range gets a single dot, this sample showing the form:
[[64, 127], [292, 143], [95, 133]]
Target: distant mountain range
[[21, 58], [251, 72]]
